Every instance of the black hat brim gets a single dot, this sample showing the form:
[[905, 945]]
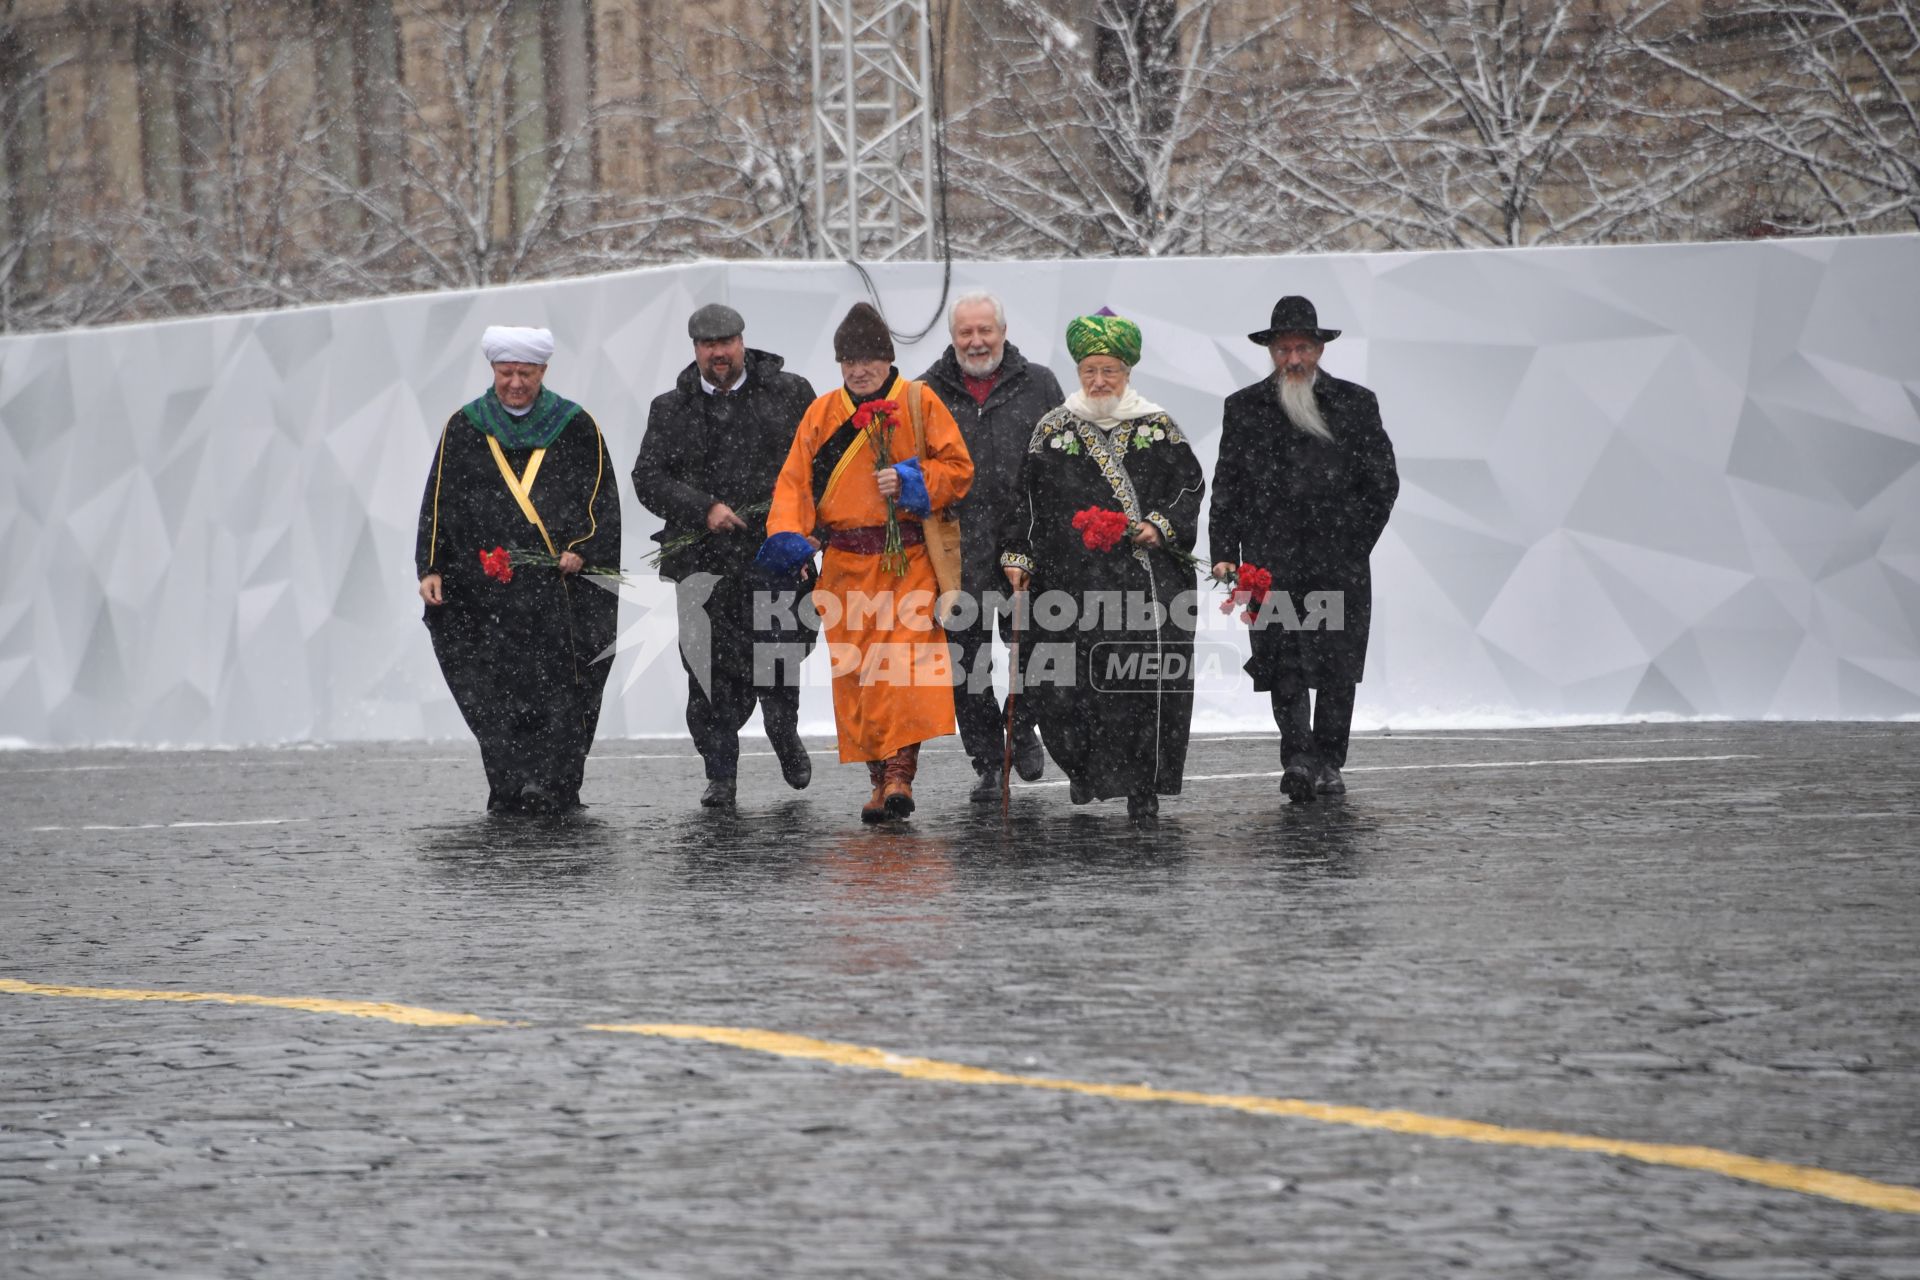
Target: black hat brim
[[1266, 336]]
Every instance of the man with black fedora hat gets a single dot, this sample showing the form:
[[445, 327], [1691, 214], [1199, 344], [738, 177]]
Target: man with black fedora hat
[[713, 448], [1303, 487]]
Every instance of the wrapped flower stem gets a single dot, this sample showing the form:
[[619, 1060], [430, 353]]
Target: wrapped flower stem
[[875, 418], [674, 546]]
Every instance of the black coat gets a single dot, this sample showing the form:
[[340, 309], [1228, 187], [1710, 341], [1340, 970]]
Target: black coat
[[1310, 512], [699, 451], [997, 434]]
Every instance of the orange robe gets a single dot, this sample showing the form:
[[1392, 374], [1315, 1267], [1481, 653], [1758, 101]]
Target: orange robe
[[892, 675]]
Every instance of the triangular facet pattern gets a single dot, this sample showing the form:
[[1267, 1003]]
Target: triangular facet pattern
[[1665, 480]]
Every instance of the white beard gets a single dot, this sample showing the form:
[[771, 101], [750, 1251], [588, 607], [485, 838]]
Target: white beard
[[982, 367], [1103, 407], [1302, 410]]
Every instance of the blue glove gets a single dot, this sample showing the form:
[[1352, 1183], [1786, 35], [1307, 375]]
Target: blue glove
[[783, 553], [913, 488]]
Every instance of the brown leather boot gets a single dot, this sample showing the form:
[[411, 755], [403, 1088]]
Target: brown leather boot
[[898, 791], [875, 809]]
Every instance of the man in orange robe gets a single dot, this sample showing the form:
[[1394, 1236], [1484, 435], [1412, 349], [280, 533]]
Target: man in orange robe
[[892, 673]]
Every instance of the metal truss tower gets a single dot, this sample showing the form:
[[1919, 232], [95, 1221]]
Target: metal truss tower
[[873, 129]]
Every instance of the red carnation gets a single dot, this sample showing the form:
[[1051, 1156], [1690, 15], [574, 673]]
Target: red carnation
[[497, 563], [1100, 529], [1255, 582], [864, 415], [1251, 584]]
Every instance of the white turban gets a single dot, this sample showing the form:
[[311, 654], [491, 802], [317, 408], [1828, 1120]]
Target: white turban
[[520, 346]]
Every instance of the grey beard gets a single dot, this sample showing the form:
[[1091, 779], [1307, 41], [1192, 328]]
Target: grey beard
[[980, 368], [1102, 407], [1297, 402]]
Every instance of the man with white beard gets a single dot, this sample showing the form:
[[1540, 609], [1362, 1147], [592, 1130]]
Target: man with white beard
[[1303, 488], [996, 396]]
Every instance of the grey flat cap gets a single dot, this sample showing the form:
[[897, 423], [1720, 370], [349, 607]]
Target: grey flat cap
[[715, 321]]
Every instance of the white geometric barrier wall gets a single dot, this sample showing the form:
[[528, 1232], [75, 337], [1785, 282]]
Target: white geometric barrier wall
[[1669, 479]]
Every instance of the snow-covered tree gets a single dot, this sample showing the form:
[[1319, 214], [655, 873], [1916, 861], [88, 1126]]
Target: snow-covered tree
[[485, 175], [1824, 90], [1137, 134], [1456, 123], [736, 172], [26, 196], [223, 220]]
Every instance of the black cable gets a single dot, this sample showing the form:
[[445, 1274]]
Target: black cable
[[938, 105]]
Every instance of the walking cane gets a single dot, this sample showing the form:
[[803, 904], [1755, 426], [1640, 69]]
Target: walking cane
[[1013, 691]]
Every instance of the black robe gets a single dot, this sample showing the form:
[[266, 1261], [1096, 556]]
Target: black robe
[[1118, 719], [523, 658], [1309, 511]]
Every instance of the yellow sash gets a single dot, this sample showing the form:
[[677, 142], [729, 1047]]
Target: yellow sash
[[521, 486], [853, 451]]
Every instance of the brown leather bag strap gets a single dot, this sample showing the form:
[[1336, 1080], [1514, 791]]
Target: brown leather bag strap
[[917, 412]]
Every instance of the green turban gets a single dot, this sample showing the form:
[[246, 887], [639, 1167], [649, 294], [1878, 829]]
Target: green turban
[[1104, 334]]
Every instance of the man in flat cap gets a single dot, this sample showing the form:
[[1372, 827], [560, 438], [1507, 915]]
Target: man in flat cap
[[707, 464], [1303, 487], [872, 462], [507, 572]]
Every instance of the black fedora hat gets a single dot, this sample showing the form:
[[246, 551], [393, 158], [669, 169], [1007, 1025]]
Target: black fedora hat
[[1293, 314]]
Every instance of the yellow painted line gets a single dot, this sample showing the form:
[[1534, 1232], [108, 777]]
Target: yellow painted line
[[404, 1014], [1843, 1187]]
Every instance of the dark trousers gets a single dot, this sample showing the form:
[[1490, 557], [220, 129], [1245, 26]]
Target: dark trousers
[[981, 715], [1316, 736], [739, 668], [716, 715]]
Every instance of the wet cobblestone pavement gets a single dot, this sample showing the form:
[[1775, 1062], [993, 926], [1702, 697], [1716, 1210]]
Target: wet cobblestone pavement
[[1698, 934]]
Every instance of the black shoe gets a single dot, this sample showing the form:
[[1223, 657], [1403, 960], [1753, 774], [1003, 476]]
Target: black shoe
[[534, 799], [796, 766], [1328, 781], [1296, 781], [1079, 792], [987, 788], [1143, 806], [1029, 757], [718, 795]]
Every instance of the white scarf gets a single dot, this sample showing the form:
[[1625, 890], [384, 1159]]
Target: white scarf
[[1132, 405]]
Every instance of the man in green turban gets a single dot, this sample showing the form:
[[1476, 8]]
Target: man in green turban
[[1115, 708], [1104, 334]]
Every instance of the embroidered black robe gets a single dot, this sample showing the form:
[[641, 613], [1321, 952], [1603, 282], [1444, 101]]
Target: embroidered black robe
[[523, 658], [1115, 701]]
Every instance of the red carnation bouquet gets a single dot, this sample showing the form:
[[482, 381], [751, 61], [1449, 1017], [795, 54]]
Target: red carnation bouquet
[[1100, 529], [876, 419], [498, 565], [1249, 585]]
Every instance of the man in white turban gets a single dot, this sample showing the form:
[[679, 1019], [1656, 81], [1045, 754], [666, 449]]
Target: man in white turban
[[505, 344], [518, 634]]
